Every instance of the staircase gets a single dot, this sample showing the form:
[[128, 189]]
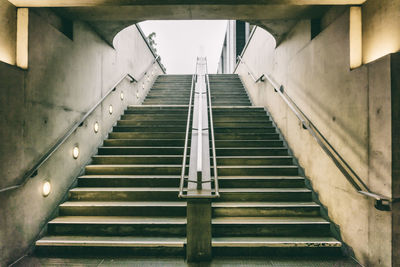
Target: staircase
[[126, 203], [264, 206], [127, 200]]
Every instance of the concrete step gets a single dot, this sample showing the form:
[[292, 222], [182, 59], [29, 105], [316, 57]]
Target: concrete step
[[261, 181], [143, 169], [277, 246], [147, 135], [145, 150], [154, 128], [115, 180], [259, 129], [261, 209], [246, 136], [123, 208], [248, 143], [110, 245], [247, 170], [118, 226], [145, 142], [270, 227], [124, 194], [157, 123], [252, 151], [264, 194]]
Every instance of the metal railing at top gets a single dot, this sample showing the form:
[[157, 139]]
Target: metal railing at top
[[32, 172], [382, 202], [199, 169]]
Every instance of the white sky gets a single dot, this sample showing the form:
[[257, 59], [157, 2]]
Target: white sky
[[179, 42]]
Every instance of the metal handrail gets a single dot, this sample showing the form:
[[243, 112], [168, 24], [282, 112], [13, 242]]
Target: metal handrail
[[32, 172], [216, 184], [182, 181], [381, 202], [256, 80]]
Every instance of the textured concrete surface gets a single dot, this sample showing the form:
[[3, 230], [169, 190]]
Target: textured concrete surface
[[351, 108], [176, 262], [65, 79]]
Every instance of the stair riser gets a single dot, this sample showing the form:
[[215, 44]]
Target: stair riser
[[150, 129], [265, 196], [86, 251], [139, 160], [123, 211], [258, 171], [252, 152], [178, 160], [260, 183], [128, 182], [148, 135], [166, 230], [244, 136], [141, 151], [234, 143], [253, 162], [265, 211], [124, 196], [138, 142], [255, 230], [160, 112], [180, 123], [146, 117], [275, 252], [99, 170], [244, 130], [242, 124]]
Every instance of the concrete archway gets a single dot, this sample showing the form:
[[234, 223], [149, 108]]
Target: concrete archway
[[110, 17]]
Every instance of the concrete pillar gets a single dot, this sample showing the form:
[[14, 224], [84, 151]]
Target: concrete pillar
[[198, 230]]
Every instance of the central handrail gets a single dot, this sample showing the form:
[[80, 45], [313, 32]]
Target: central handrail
[[199, 167], [32, 172], [182, 181], [216, 185], [381, 202]]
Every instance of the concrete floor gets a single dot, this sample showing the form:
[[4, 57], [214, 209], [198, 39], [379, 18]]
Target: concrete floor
[[177, 262]]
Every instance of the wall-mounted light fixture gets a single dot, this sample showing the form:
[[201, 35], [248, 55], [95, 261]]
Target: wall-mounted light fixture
[[46, 188], [96, 127], [110, 109], [75, 152], [122, 95], [143, 85]]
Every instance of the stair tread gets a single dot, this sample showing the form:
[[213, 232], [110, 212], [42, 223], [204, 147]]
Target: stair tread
[[245, 204], [275, 242], [116, 241], [125, 189], [275, 177], [95, 176], [269, 220], [262, 190], [117, 220], [124, 204]]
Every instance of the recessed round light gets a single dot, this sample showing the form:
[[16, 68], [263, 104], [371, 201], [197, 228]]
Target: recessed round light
[[75, 152], [96, 127], [46, 188], [110, 109]]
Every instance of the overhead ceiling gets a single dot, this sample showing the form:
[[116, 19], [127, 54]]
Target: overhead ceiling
[[109, 17]]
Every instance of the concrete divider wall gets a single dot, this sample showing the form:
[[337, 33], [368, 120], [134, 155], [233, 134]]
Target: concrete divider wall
[[64, 80], [352, 109]]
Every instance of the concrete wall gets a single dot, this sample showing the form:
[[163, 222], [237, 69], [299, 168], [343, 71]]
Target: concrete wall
[[352, 110], [64, 80]]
